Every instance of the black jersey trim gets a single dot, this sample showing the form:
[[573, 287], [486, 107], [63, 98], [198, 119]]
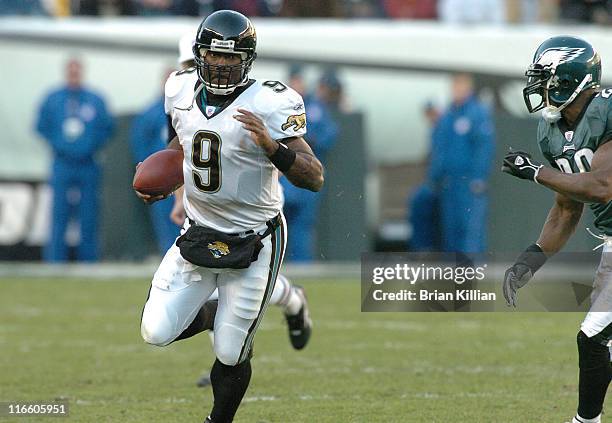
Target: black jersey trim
[[171, 130], [229, 99]]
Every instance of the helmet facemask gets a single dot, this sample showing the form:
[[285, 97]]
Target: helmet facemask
[[538, 79], [222, 79], [541, 82]]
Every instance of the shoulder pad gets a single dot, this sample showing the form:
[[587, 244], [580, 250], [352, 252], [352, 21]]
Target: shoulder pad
[[284, 109], [272, 97], [179, 80]]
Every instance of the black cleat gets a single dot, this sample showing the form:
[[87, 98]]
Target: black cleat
[[300, 325]]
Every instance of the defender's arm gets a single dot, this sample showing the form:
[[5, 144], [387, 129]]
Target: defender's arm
[[589, 187], [560, 224]]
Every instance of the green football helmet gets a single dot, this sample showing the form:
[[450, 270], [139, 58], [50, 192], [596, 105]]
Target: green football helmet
[[562, 68]]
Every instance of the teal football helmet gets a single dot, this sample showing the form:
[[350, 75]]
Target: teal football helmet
[[562, 68]]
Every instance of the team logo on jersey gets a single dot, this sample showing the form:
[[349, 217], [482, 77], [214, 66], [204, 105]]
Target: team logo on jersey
[[569, 135], [553, 57], [296, 121], [218, 249], [210, 110]]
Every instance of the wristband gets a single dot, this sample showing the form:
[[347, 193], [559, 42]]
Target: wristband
[[533, 257], [283, 157]]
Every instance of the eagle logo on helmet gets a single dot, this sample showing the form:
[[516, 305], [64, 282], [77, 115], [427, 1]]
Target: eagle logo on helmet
[[218, 249], [555, 56]]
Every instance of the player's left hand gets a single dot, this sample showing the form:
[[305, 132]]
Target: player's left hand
[[516, 277], [259, 134], [150, 199], [521, 165]]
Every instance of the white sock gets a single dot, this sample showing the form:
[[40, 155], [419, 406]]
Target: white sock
[[579, 419], [285, 296], [282, 291], [294, 304]]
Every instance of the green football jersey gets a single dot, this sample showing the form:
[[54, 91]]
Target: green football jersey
[[571, 149]]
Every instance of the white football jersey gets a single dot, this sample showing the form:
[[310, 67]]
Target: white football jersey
[[230, 183]]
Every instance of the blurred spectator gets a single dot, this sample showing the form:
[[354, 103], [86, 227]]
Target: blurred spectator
[[167, 7], [311, 9], [102, 7], [461, 158], [548, 10], [331, 93], [150, 134], [472, 11], [424, 203], [301, 207], [76, 124], [586, 11], [21, 7], [410, 9], [246, 7], [363, 9], [523, 11], [85, 7]]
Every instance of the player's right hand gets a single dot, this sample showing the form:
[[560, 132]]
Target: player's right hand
[[521, 165], [516, 277]]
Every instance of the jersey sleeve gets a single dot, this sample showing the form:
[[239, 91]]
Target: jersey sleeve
[[607, 133], [171, 89], [288, 119]]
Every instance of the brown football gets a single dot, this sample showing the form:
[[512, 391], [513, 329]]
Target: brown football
[[160, 173]]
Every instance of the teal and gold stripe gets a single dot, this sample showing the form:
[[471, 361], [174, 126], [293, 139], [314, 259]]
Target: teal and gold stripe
[[276, 258]]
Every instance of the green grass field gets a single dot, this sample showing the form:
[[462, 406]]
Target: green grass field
[[80, 341]]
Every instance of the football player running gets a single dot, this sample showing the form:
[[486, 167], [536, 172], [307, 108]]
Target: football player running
[[290, 298], [236, 134], [573, 135]]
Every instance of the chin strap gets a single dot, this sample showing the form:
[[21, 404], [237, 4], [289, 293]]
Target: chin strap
[[553, 113]]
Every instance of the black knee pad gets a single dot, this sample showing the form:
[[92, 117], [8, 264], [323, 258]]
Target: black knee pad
[[591, 351]]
